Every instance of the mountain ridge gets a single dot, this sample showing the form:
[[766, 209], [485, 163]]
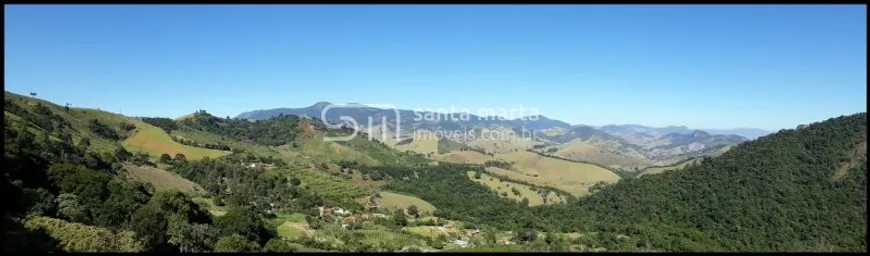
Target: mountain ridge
[[541, 123]]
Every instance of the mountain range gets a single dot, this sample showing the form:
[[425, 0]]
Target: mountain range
[[625, 146], [539, 122]]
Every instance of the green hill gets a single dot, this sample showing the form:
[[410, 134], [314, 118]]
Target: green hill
[[777, 193]]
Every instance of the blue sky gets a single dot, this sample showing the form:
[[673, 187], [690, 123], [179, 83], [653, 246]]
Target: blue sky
[[768, 67]]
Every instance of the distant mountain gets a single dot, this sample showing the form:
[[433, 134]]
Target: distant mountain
[[750, 133], [622, 130], [639, 145]]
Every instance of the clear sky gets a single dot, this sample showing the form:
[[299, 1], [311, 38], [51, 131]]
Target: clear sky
[[767, 67]]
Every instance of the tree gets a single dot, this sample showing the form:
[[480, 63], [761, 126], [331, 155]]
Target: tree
[[150, 225], [122, 154], [179, 157], [243, 221], [191, 237], [413, 210], [525, 201], [68, 206], [165, 158], [477, 175], [278, 245], [235, 243], [295, 181]]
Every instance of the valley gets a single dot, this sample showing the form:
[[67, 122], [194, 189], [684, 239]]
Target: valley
[[275, 185]]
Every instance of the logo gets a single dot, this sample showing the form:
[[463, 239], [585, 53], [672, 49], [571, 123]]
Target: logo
[[348, 121]]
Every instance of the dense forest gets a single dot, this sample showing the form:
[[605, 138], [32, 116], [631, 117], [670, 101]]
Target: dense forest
[[62, 197], [781, 192], [277, 131]]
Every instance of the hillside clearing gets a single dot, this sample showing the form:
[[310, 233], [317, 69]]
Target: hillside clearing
[[661, 169], [500, 186], [162, 180], [393, 200], [422, 144], [464, 157], [572, 177], [154, 142]]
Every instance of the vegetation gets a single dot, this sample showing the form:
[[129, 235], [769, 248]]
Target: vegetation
[[70, 186]]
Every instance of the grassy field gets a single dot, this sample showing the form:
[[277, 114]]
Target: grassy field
[[655, 170], [392, 200], [422, 144], [574, 178], [78, 119], [292, 225], [154, 141], [162, 180], [464, 157], [500, 186], [205, 137], [585, 152], [500, 146]]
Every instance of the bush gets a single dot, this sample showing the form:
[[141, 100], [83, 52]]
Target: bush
[[235, 243]]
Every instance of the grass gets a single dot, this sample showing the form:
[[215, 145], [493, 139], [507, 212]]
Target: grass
[[293, 217], [162, 180], [574, 178], [155, 141], [208, 204], [421, 144], [392, 200], [464, 157], [679, 166], [585, 152], [499, 186], [206, 137], [290, 229], [326, 151], [425, 231], [501, 140], [489, 248]]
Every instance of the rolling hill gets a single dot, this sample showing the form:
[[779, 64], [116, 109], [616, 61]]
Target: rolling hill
[[624, 146]]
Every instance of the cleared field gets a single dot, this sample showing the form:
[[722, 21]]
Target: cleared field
[[154, 142], [574, 178], [392, 201], [582, 151], [293, 225], [205, 137], [464, 157], [423, 145], [655, 170], [500, 187], [501, 146], [162, 180]]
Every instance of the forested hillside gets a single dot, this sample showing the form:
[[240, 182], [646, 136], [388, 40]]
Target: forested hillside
[[779, 193]]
